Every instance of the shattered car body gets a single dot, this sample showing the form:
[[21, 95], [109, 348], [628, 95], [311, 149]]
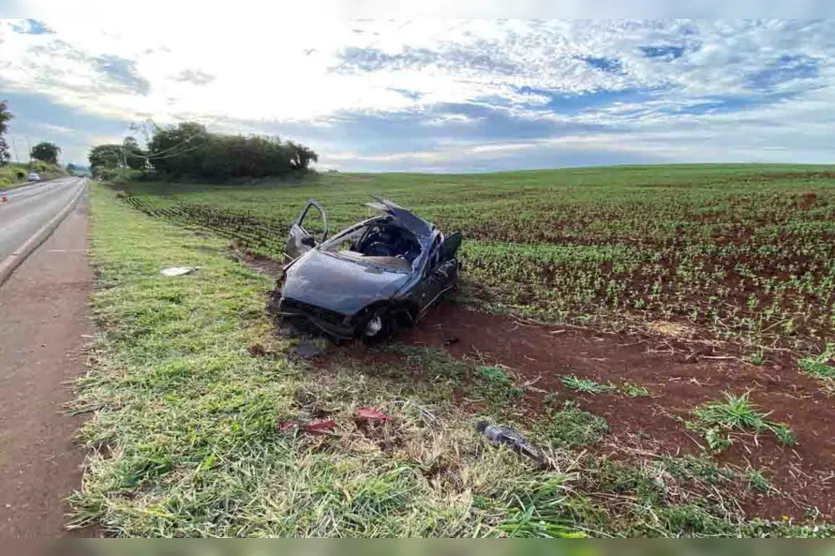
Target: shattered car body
[[369, 279]]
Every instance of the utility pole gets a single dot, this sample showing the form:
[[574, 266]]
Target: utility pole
[[29, 150], [14, 150]]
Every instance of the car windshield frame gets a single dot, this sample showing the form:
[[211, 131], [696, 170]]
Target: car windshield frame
[[328, 247]]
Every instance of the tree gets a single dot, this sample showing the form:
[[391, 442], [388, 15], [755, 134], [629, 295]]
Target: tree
[[46, 152], [188, 149], [105, 156], [5, 116], [301, 156], [133, 155], [180, 149]]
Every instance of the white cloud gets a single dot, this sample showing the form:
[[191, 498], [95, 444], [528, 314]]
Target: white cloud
[[270, 70], [55, 129], [447, 119]]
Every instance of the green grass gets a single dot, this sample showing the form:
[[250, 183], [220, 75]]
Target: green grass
[[589, 386], [184, 426], [586, 385], [822, 368], [819, 366], [715, 420], [572, 427], [634, 391], [743, 251], [183, 432]]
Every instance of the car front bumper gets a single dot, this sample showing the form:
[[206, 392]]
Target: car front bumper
[[329, 322]]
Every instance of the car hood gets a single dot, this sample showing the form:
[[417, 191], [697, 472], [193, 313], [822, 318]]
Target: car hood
[[338, 284]]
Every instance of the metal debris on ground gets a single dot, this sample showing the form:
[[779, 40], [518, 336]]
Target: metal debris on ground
[[371, 416], [502, 435], [308, 350], [177, 270], [287, 330], [320, 427]]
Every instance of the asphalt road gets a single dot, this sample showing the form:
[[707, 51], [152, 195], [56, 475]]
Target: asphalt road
[[44, 326], [28, 208]]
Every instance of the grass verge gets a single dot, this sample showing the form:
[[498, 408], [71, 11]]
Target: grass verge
[[185, 440]]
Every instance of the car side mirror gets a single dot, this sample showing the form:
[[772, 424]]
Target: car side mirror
[[308, 241]]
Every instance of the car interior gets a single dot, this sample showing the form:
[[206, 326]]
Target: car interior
[[383, 242]]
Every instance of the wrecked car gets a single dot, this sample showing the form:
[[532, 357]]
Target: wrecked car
[[368, 280]]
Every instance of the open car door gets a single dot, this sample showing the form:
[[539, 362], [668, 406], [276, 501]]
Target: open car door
[[309, 230]]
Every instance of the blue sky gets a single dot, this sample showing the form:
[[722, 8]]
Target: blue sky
[[435, 95]]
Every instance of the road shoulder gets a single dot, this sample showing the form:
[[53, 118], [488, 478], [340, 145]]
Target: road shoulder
[[44, 318]]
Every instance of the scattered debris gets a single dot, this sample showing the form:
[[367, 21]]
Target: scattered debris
[[308, 350], [177, 270], [501, 435], [287, 330], [371, 416], [320, 427], [257, 350], [428, 417]]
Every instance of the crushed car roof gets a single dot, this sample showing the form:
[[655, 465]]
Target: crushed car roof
[[418, 226]]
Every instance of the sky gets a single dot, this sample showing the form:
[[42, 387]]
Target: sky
[[400, 93]]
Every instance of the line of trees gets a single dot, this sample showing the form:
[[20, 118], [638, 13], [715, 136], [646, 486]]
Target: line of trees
[[189, 150]]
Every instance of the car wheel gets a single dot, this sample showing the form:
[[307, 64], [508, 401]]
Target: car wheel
[[378, 327]]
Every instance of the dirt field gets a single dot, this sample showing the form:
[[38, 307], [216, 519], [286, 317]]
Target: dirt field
[[678, 374]]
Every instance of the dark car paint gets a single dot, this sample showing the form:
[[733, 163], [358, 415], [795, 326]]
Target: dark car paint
[[338, 284], [351, 289], [417, 225]]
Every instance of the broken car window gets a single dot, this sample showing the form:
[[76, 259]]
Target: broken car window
[[382, 242]]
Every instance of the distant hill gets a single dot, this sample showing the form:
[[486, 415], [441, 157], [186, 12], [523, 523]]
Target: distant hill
[[78, 170]]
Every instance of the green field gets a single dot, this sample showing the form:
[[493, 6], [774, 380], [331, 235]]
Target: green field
[[683, 386], [190, 386], [743, 252]]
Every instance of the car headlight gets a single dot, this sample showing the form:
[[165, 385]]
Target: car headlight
[[373, 326]]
